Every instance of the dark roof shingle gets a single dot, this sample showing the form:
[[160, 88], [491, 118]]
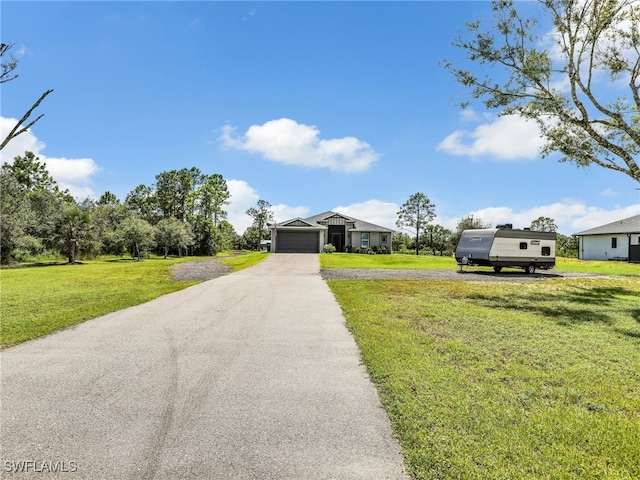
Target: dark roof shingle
[[626, 225]]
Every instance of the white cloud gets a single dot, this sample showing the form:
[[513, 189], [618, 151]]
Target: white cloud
[[252, 13], [609, 192], [570, 215], [504, 138], [71, 173], [243, 197], [25, 142], [282, 212], [375, 211], [286, 141]]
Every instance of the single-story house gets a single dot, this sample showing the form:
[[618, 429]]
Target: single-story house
[[614, 241], [309, 235]]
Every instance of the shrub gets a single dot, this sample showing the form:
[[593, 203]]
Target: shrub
[[403, 249], [348, 248], [328, 248]]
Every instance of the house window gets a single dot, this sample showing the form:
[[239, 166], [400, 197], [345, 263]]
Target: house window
[[383, 238], [614, 242], [546, 251], [365, 240], [523, 245]]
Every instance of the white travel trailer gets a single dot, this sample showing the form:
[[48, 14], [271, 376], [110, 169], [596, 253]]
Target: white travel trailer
[[507, 247]]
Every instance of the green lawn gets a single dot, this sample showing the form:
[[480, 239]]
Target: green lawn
[[500, 380], [359, 260], [505, 380], [355, 260], [39, 300], [595, 266]]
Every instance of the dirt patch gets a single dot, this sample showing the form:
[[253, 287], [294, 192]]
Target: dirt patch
[[199, 270], [208, 269], [476, 275]]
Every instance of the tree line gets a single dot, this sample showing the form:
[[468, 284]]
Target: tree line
[[418, 213], [182, 213]]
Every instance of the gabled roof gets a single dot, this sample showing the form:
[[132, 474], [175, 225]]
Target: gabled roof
[[626, 225], [358, 225], [297, 222], [362, 226], [327, 215]]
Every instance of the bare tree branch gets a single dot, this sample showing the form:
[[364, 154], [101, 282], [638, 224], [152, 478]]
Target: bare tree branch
[[17, 130], [6, 75]]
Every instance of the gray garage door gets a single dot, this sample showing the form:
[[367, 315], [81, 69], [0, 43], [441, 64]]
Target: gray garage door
[[297, 242]]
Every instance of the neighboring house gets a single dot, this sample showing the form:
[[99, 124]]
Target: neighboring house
[[614, 241], [309, 235], [265, 245]]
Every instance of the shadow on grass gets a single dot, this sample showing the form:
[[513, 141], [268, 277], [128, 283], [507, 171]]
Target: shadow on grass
[[577, 306], [635, 313], [510, 274], [38, 264]]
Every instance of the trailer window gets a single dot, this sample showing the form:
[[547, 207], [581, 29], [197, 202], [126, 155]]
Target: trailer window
[[523, 245], [546, 251]]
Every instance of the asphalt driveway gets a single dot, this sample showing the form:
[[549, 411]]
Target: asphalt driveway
[[249, 376]]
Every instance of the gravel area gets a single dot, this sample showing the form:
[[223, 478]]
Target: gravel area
[[202, 270], [198, 270], [476, 275]]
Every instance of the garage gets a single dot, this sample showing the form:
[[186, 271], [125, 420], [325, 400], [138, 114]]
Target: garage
[[297, 242]]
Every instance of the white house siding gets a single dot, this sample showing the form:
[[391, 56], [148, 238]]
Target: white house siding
[[598, 247], [356, 239]]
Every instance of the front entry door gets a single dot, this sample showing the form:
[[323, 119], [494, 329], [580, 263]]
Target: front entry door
[[336, 236], [337, 240]]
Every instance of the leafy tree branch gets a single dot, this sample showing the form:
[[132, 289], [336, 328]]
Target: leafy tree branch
[[562, 79]]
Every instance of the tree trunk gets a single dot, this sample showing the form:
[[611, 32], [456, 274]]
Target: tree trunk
[[72, 253]]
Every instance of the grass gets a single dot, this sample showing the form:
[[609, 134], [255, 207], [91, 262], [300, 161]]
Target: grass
[[39, 300], [595, 266], [425, 262], [358, 260], [247, 259], [507, 380]]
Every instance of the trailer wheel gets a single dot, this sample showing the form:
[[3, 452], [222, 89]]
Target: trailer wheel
[[497, 269], [531, 268]]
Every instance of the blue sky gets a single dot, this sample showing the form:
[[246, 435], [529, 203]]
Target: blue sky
[[312, 106]]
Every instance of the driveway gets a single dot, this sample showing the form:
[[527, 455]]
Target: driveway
[[249, 376]]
